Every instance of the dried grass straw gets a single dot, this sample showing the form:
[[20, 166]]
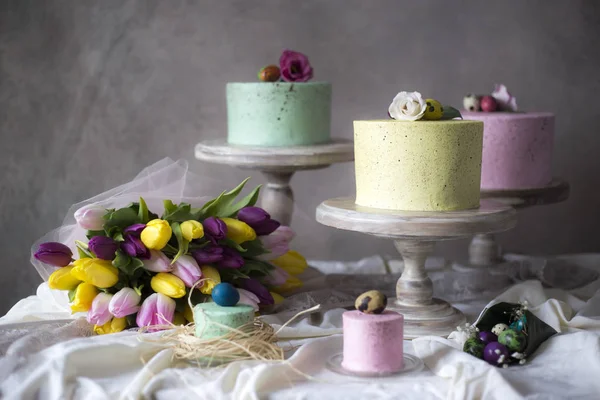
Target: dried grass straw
[[256, 340]]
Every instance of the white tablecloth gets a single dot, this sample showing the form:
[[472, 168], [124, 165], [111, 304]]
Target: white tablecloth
[[57, 361]]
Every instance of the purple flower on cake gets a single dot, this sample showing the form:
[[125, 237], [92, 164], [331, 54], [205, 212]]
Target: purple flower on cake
[[504, 100], [407, 106], [295, 67]]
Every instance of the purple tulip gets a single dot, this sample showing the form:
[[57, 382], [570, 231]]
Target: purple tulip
[[132, 245], [258, 219], [277, 243], [254, 286], [157, 262], [99, 313], [125, 302], [103, 247], [214, 229], [248, 298], [277, 276], [295, 67], [208, 255], [157, 309], [231, 259], [186, 269], [54, 253]]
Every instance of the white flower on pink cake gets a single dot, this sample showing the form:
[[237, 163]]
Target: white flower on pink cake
[[407, 106], [506, 101]]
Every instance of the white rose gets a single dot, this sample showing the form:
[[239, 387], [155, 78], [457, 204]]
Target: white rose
[[506, 102], [407, 106]]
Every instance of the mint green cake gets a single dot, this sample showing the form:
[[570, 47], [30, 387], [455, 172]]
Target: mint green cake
[[278, 114], [207, 313]]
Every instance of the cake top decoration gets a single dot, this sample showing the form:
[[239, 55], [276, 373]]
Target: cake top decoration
[[410, 106], [293, 67], [371, 302], [499, 100]]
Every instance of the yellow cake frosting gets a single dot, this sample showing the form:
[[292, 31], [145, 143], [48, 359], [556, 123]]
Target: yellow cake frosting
[[418, 165]]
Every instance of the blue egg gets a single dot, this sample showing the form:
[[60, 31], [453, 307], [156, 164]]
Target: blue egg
[[225, 295]]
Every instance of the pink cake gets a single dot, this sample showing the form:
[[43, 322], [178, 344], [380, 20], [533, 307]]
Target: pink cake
[[373, 342], [517, 149]]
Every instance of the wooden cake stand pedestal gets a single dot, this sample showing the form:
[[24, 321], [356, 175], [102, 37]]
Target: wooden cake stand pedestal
[[483, 250], [414, 234], [278, 165]]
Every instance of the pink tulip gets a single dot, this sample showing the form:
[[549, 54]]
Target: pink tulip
[[99, 314], [90, 217], [125, 302], [157, 309], [248, 298], [277, 276], [187, 269], [157, 262], [277, 243]]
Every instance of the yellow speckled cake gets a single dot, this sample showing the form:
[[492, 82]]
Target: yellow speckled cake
[[420, 165]]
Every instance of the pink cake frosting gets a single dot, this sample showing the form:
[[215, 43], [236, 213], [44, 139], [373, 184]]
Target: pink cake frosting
[[373, 342], [517, 149]]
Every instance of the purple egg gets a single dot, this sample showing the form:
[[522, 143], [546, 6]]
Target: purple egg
[[488, 337], [495, 354]]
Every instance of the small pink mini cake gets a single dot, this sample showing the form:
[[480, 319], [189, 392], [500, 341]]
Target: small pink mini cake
[[373, 343], [517, 146]]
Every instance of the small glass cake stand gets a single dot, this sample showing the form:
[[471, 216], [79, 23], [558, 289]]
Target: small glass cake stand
[[484, 252], [278, 165], [411, 364], [414, 234]]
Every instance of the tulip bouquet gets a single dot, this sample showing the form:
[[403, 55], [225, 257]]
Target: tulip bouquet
[[138, 269]]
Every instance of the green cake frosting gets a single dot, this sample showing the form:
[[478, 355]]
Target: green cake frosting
[[278, 114], [207, 313]]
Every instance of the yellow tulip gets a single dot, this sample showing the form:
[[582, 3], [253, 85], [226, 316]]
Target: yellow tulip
[[84, 295], [113, 326], [192, 230], [168, 284], [98, 272], [188, 313], [292, 262], [239, 231], [277, 297], [178, 319], [156, 234], [212, 276], [292, 283], [61, 279]]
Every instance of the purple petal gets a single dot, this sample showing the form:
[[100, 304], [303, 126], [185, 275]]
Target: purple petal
[[254, 286], [165, 309], [147, 311], [208, 255], [103, 247], [135, 229], [214, 228], [266, 227], [54, 253], [231, 259]]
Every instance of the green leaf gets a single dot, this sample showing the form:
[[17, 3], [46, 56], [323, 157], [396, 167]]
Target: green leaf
[[221, 206], [72, 295], [247, 201], [194, 245], [253, 248], [256, 267], [122, 218], [91, 234], [121, 260], [231, 243], [131, 320], [450, 113], [231, 274], [169, 206], [83, 250], [180, 213], [181, 242], [143, 211], [130, 266], [118, 236]]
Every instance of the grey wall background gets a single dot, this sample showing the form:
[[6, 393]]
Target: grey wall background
[[91, 92]]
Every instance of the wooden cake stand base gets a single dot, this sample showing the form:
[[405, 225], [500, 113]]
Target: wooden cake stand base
[[415, 234], [278, 165]]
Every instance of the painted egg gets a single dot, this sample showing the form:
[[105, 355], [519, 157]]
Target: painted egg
[[495, 353], [487, 337], [434, 110], [471, 102], [270, 73], [513, 340], [371, 302], [474, 347], [488, 104], [225, 295], [499, 328]]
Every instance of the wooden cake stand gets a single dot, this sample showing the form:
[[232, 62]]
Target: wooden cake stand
[[415, 234], [483, 250], [278, 165]]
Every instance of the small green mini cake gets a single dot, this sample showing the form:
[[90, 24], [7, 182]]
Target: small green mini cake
[[206, 314]]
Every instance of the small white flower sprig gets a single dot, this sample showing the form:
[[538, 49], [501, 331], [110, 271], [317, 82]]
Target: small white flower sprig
[[499, 100], [410, 106]]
